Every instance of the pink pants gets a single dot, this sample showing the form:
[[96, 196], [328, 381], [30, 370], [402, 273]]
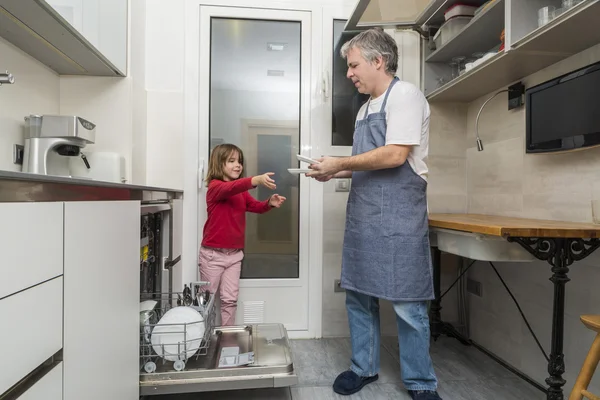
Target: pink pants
[[222, 266]]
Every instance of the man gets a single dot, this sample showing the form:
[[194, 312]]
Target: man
[[386, 242]]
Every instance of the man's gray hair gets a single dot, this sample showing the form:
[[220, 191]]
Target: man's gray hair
[[375, 43]]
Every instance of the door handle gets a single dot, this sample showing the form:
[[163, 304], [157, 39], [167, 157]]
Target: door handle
[[325, 85]]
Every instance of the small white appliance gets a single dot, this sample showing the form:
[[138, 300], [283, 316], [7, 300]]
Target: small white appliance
[[104, 166]]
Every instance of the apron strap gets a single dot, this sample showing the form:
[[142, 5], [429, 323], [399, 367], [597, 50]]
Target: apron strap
[[387, 93]]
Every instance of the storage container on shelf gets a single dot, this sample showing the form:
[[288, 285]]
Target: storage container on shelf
[[450, 29], [459, 10]]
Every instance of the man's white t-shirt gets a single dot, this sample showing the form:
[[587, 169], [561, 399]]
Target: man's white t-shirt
[[407, 117]]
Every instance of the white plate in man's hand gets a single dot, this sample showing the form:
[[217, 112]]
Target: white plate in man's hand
[[297, 171]]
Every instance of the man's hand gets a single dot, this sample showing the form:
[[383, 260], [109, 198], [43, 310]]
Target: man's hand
[[325, 169]]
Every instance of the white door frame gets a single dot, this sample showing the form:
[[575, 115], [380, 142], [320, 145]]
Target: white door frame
[[196, 110], [330, 14]]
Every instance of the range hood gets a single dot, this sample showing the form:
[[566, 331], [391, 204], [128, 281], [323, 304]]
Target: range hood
[[395, 13]]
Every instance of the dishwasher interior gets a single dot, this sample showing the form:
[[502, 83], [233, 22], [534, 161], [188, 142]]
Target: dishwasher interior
[[181, 350]]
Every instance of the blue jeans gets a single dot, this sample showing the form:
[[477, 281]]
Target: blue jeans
[[413, 338]]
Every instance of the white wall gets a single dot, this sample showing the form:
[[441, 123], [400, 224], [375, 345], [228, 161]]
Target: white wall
[[108, 103], [503, 180], [36, 91], [137, 29], [164, 47]]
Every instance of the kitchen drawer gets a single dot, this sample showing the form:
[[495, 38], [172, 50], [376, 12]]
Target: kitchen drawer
[[31, 244], [49, 387], [31, 330]]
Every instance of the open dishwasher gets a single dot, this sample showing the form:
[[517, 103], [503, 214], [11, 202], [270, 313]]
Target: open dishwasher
[[181, 349]]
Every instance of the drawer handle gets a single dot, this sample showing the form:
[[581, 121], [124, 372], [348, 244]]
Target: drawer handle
[[32, 378]]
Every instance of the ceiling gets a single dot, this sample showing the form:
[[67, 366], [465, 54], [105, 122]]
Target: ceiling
[[240, 58]]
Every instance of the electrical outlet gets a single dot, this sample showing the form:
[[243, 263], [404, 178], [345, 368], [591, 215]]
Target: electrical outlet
[[337, 287], [342, 185], [18, 151], [474, 287]]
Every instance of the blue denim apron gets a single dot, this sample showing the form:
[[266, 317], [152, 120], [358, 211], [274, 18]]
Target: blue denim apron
[[386, 242]]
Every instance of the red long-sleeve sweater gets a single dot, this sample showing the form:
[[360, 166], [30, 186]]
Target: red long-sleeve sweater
[[227, 203]]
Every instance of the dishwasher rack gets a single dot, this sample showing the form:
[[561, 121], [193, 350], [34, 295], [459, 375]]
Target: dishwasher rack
[[165, 302]]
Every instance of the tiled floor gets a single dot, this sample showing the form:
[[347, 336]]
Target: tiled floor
[[464, 374]]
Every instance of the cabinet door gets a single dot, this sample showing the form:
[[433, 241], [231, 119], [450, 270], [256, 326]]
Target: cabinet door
[[101, 300], [30, 330], [49, 387], [31, 244], [102, 23]]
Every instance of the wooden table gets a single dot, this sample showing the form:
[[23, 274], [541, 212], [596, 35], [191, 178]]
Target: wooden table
[[560, 243]]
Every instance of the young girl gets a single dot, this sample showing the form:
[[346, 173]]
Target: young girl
[[227, 200]]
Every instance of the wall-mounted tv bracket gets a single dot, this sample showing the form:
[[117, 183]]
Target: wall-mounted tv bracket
[[515, 95]]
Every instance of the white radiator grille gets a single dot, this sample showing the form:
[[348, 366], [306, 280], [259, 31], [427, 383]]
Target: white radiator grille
[[254, 312]]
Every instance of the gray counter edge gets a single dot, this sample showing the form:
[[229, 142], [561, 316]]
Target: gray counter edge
[[25, 187]]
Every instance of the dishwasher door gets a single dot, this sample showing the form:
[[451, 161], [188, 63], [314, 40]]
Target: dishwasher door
[[272, 364]]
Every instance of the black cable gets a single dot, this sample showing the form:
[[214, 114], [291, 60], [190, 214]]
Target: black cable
[[457, 279], [520, 311]]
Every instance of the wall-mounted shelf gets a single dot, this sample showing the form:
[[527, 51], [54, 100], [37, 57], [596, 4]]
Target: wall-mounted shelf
[[497, 72], [572, 32], [557, 40], [480, 35], [433, 14]]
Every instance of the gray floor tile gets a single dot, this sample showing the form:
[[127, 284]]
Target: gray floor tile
[[492, 389], [454, 361], [373, 391], [319, 362]]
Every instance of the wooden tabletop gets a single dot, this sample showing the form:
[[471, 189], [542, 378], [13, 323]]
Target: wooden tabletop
[[510, 226]]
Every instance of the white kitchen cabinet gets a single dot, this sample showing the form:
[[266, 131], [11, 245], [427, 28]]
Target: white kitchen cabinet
[[528, 47], [103, 23], [49, 387], [101, 300], [31, 239], [32, 330], [72, 37]]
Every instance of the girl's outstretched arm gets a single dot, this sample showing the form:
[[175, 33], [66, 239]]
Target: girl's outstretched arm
[[220, 190]]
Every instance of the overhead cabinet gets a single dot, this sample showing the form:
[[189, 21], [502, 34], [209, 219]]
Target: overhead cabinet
[[470, 51], [72, 37]]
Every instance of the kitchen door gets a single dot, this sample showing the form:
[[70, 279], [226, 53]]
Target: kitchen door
[[254, 91]]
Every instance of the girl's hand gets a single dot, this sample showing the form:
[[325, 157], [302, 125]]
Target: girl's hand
[[276, 200], [265, 180]]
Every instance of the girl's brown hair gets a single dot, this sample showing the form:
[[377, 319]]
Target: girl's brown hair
[[218, 158]]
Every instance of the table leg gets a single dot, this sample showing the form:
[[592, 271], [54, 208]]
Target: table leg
[[437, 326], [560, 253], [436, 307], [556, 364]]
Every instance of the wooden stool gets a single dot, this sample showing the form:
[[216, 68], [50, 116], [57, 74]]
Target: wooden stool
[[591, 361]]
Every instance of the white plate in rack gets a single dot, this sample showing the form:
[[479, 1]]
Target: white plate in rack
[[179, 333]]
